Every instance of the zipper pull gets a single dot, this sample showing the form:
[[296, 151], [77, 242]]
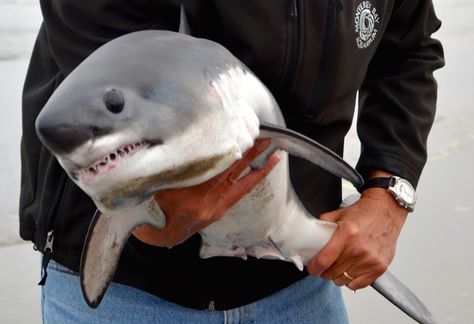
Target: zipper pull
[[49, 242], [211, 305], [47, 252]]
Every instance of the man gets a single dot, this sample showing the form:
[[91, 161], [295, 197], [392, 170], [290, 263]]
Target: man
[[314, 56]]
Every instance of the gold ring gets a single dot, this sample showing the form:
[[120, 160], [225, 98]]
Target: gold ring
[[345, 274]]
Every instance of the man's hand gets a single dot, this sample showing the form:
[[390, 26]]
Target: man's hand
[[364, 243], [188, 210]]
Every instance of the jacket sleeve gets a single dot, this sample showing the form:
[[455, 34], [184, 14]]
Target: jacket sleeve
[[397, 100]]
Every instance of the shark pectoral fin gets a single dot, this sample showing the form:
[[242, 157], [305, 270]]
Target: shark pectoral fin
[[299, 145], [402, 297], [104, 243]]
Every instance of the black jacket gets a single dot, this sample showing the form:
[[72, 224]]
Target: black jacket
[[314, 55]]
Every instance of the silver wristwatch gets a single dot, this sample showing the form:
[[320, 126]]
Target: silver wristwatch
[[400, 188]]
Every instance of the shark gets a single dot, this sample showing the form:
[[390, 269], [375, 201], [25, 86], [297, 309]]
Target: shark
[[155, 110]]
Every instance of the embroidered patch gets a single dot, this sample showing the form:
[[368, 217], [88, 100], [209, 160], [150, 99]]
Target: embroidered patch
[[366, 23]]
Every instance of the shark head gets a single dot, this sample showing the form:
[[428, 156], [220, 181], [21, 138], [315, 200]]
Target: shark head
[[127, 123]]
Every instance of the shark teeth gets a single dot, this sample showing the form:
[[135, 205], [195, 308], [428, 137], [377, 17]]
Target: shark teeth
[[109, 161]]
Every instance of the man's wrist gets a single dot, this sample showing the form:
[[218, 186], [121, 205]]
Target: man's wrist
[[399, 189]]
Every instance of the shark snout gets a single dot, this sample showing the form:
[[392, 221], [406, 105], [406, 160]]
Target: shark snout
[[65, 137], [64, 129]]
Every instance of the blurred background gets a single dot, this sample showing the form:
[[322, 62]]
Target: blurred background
[[435, 254]]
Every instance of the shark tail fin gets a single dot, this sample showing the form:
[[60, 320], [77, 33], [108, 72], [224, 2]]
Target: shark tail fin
[[401, 296]]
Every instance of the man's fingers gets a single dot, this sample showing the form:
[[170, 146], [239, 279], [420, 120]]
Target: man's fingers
[[362, 281], [332, 216], [248, 182], [344, 262], [232, 173], [343, 280], [361, 274], [259, 146], [244, 185], [346, 273], [248, 157]]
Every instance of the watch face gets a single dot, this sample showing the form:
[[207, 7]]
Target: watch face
[[405, 191]]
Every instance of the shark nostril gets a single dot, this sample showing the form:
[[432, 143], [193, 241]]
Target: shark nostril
[[114, 101]]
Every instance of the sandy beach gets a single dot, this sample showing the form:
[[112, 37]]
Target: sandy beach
[[435, 254]]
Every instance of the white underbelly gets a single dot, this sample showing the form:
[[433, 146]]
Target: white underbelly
[[256, 215]]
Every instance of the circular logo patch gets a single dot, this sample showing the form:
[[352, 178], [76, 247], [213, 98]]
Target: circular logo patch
[[366, 24]]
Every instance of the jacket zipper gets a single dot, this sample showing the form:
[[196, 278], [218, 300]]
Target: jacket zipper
[[47, 253], [327, 56], [48, 246], [293, 34]]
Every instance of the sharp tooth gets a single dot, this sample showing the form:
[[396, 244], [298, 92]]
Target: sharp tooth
[[124, 150]]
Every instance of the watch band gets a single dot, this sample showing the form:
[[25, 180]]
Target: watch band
[[378, 182]]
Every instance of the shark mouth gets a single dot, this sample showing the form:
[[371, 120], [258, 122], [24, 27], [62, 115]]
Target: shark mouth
[[110, 161]]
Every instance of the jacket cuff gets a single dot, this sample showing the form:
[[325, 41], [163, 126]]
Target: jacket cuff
[[388, 162]]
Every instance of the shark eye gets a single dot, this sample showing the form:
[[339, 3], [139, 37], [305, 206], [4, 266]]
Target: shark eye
[[114, 101]]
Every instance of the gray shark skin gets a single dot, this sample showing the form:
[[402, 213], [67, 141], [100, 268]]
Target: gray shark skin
[[155, 110]]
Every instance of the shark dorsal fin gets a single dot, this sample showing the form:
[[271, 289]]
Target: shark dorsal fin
[[183, 22]]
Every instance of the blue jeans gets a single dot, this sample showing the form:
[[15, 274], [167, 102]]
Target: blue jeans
[[311, 300]]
